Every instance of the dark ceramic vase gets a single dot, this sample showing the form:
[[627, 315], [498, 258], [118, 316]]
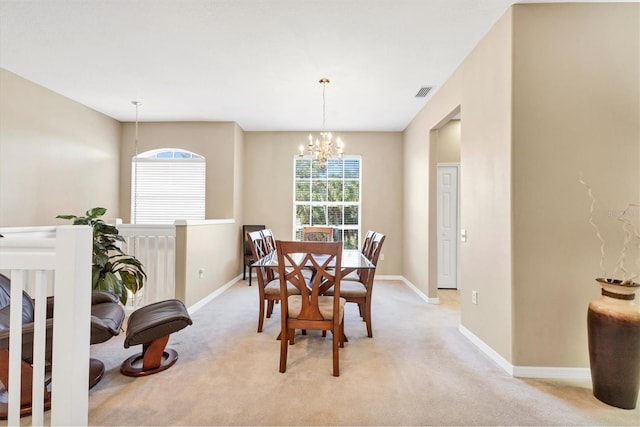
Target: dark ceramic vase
[[613, 323]]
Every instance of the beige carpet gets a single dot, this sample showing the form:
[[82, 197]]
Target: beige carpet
[[416, 370]]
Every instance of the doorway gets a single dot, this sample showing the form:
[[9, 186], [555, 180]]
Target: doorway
[[448, 225]]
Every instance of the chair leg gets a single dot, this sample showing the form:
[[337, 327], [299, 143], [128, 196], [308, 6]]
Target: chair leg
[[244, 271], [270, 307], [284, 344], [336, 357], [261, 315], [250, 275], [367, 318]]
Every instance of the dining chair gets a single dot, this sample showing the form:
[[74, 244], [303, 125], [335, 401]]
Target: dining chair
[[269, 239], [366, 245], [311, 310], [248, 257], [268, 284], [360, 291], [317, 234]]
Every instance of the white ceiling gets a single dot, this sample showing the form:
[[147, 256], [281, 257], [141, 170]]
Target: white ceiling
[[254, 62]]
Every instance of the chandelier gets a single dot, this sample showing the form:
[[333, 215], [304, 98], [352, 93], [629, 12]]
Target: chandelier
[[325, 147]]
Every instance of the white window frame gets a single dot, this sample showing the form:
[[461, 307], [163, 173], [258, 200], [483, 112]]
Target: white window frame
[[296, 228]]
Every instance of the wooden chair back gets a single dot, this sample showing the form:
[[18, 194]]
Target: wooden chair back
[[375, 247], [259, 249], [366, 243], [248, 257], [310, 310], [317, 234], [269, 240]]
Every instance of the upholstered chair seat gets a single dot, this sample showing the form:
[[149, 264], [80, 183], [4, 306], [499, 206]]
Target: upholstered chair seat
[[273, 288], [350, 289], [325, 304]]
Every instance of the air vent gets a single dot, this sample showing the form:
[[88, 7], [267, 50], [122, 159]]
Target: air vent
[[424, 91]]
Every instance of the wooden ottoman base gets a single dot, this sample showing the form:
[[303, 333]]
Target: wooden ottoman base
[[151, 326]]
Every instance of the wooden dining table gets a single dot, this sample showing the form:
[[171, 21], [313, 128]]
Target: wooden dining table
[[352, 259]]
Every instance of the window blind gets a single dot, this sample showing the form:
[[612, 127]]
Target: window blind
[[166, 189]]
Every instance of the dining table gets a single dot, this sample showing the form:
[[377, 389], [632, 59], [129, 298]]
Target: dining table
[[352, 259]]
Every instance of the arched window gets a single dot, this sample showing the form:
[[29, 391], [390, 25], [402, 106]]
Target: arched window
[[167, 184]]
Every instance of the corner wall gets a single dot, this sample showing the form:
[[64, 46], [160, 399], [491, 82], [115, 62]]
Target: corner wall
[[552, 90], [268, 185], [56, 156], [576, 109], [214, 140], [481, 89]]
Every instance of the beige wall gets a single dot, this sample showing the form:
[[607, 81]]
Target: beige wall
[[485, 189], [215, 141], [576, 109], [214, 248], [550, 91], [56, 156], [268, 185], [448, 142]]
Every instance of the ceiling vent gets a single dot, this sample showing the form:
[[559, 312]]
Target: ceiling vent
[[424, 91]]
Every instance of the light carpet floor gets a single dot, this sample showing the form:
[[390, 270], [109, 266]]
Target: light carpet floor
[[418, 369]]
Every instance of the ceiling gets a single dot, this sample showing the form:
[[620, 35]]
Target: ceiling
[[254, 62]]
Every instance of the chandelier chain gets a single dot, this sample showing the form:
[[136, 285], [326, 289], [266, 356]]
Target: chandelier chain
[[323, 148]]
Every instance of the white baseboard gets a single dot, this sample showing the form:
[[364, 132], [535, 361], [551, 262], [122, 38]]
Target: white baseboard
[[388, 277], [197, 306], [551, 373], [491, 353], [419, 292], [542, 372]]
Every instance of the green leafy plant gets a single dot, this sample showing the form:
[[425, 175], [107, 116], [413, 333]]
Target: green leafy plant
[[112, 269]]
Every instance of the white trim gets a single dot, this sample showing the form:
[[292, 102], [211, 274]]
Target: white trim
[[197, 306], [550, 372], [542, 372], [192, 222], [420, 293], [490, 352], [389, 277]]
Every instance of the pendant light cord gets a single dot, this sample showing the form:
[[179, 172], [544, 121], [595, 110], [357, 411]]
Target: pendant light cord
[[135, 162]]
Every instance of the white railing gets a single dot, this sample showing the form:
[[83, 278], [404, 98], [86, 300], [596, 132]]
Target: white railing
[[68, 256], [155, 247]]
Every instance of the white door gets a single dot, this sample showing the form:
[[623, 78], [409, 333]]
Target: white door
[[448, 227]]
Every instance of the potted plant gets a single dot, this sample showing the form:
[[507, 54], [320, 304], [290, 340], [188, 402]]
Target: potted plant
[[112, 269], [613, 322]]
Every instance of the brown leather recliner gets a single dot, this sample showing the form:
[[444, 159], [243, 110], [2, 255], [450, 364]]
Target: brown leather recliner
[[107, 316], [27, 347]]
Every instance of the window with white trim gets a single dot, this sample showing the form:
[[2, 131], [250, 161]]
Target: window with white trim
[[167, 184], [330, 196]]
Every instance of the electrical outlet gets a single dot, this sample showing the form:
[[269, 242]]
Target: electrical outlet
[[474, 297], [381, 257]]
